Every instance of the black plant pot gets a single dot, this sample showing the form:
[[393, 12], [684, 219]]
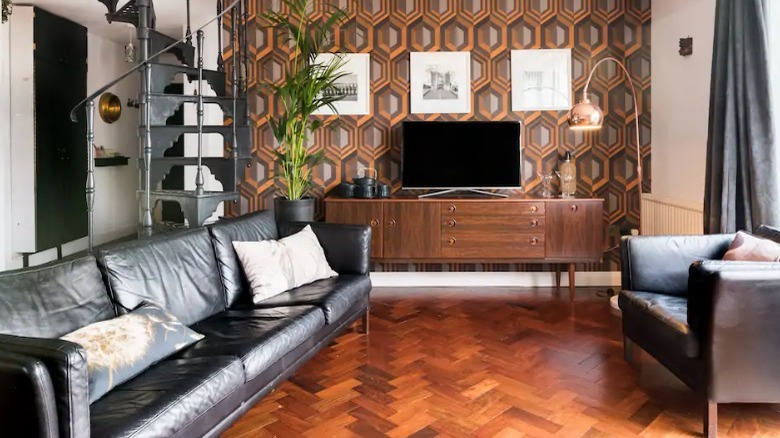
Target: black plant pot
[[301, 210]]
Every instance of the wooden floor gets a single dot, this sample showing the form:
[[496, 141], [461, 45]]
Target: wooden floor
[[488, 363]]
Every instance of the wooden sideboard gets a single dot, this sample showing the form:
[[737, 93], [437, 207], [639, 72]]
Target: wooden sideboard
[[478, 230]]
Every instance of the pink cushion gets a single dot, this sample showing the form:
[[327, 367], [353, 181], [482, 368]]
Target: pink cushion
[[749, 248]]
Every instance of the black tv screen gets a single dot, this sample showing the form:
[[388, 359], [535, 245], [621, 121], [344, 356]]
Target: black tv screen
[[453, 155]]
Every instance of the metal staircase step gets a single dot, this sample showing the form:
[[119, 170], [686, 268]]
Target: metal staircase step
[[225, 170], [126, 14], [163, 136], [165, 105], [163, 75], [196, 208], [184, 52]]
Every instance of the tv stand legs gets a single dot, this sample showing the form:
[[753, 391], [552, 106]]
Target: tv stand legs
[[557, 276], [571, 282]]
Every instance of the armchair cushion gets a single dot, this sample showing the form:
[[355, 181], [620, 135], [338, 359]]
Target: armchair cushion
[[661, 320], [660, 263]]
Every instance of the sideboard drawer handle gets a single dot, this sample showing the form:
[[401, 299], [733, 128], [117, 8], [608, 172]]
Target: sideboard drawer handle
[[451, 241], [391, 223], [574, 208], [374, 223], [534, 208], [534, 241], [451, 223], [451, 208], [534, 223]]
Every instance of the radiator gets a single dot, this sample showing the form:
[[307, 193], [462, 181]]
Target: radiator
[[662, 215]]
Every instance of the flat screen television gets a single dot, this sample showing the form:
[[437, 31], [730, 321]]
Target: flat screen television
[[461, 155]]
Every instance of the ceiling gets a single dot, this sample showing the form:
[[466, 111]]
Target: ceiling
[[91, 14]]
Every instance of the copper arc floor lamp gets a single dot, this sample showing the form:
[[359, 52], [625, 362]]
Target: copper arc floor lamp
[[587, 116]]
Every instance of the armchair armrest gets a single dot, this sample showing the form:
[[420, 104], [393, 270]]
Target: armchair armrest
[[66, 364], [734, 308], [27, 405], [660, 263], [347, 247]]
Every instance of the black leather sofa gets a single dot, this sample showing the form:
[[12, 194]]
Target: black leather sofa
[[712, 323], [247, 350]]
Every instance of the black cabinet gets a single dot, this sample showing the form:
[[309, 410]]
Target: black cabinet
[[60, 63]]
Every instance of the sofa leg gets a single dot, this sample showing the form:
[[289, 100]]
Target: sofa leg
[[711, 420], [630, 351], [364, 325]]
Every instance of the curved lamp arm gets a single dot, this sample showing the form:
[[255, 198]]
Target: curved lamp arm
[[636, 121]]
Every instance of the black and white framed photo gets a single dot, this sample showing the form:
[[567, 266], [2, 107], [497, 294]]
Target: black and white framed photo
[[440, 82], [354, 87], [541, 80]]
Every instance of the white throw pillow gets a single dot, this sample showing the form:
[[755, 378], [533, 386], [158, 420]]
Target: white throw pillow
[[273, 267]]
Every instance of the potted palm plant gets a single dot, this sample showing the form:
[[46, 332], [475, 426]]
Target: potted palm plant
[[308, 86], [7, 8]]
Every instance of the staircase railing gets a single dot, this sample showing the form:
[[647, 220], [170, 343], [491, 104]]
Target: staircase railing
[[88, 104]]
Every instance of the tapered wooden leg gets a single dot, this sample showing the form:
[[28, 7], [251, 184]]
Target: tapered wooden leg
[[557, 275], [711, 420], [364, 325], [630, 350], [571, 282]]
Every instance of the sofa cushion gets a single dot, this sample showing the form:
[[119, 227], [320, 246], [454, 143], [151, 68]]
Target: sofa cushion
[[178, 271], [251, 227], [259, 337], [52, 300], [167, 397], [334, 295], [121, 348], [662, 318]]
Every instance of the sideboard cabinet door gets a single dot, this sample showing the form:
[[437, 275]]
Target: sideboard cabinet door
[[575, 230], [412, 230], [359, 213]]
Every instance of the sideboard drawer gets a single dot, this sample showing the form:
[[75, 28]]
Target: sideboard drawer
[[512, 209], [466, 244], [492, 224]]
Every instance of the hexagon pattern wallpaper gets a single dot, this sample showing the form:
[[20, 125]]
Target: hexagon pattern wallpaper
[[390, 29]]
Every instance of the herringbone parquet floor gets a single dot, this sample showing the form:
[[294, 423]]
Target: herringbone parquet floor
[[488, 363]]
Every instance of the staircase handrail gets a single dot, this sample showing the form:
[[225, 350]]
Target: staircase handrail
[[81, 105]]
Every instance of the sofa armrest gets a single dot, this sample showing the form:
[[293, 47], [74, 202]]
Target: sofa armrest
[[660, 263], [347, 247], [27, 406], [66, 364], [733, 308]]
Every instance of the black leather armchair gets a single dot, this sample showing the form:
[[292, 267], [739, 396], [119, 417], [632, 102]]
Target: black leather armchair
[[714, 324]]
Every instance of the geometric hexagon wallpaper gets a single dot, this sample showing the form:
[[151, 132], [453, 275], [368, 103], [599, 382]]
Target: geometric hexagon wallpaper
[[390, 29]]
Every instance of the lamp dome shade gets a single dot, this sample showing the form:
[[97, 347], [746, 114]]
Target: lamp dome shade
[[585, 115]]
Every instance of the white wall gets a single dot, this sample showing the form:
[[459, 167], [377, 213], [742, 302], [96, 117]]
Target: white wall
[[680, 97], [116, 211], [5, 145]]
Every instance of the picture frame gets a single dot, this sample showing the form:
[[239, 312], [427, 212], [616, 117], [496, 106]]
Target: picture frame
[[541, 80], [440, 82], [356, 85]]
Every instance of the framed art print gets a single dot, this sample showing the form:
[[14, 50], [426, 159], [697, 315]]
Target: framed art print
[[440, 82]]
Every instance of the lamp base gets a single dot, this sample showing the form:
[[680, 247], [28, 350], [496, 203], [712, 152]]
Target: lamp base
[[613, 301]]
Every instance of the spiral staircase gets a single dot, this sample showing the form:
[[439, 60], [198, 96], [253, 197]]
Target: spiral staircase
[[156, 107]]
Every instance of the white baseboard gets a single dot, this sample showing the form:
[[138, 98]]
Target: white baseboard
[[491, 279]]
